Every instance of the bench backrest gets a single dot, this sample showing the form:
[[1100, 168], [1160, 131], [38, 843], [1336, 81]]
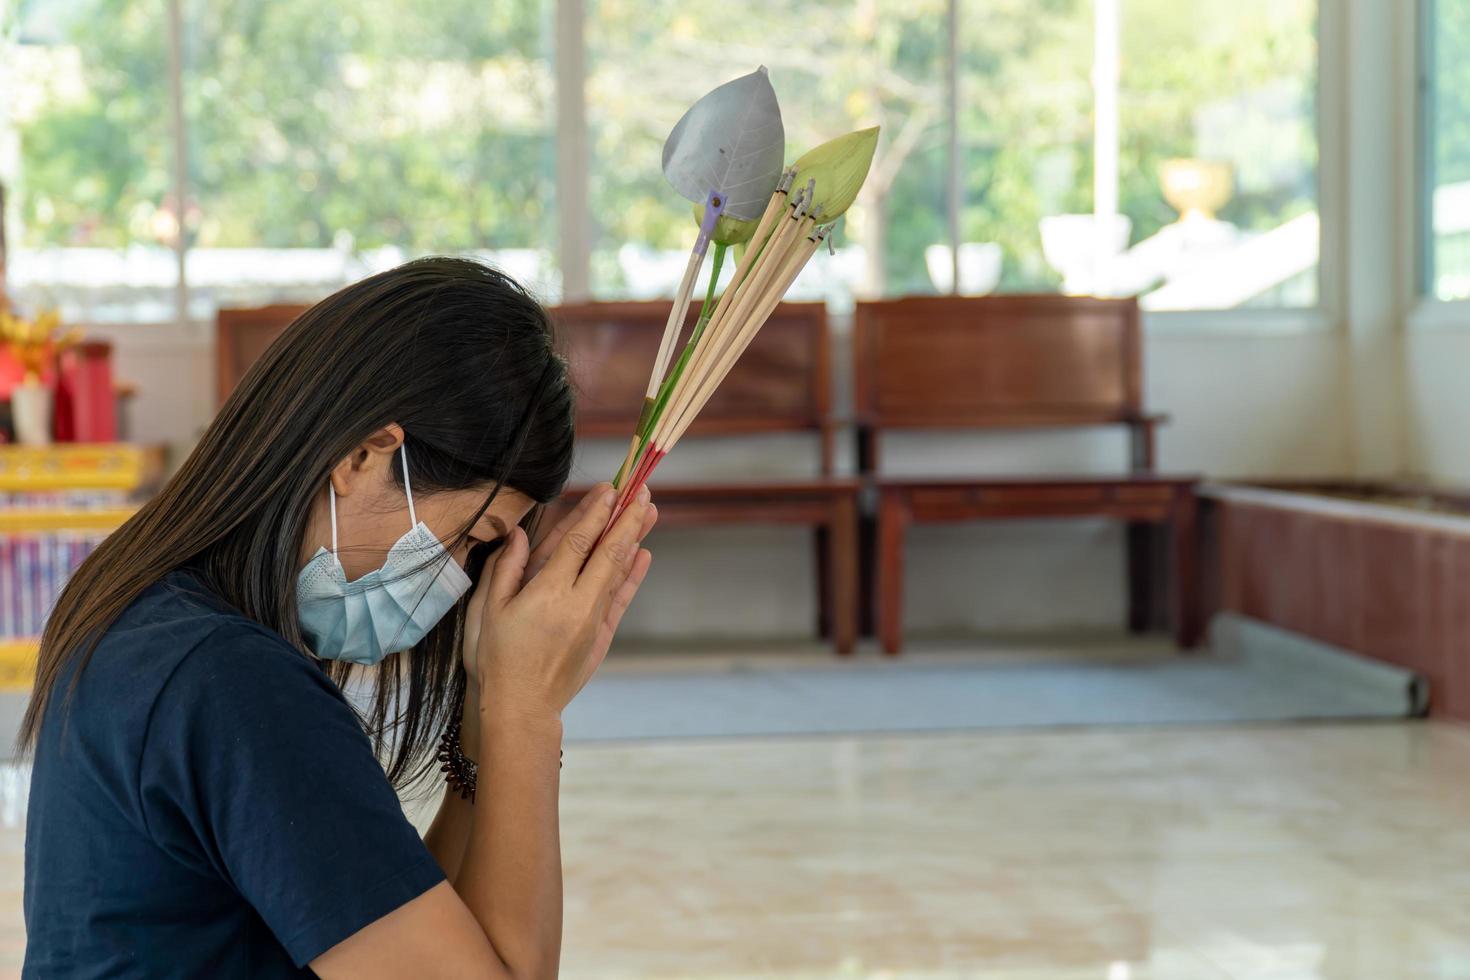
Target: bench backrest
[[997, 361], [780, 384], [241, 336]]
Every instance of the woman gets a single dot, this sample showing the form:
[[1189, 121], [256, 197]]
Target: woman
[[205, 802]]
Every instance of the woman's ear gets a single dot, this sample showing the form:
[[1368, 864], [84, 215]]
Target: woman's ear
[[385, 441], [365, 461]]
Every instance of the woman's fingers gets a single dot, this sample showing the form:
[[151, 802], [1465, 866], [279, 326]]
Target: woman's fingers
[[621, 600], [609, 565], [474, 613], [548, 544], [510, 568], [650, 517], [623, 597], [578, 540]]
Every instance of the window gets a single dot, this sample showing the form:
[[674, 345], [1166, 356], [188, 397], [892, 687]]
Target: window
[[836, 67], [1159, 148], [1116, 147], [1026, 134], [1448, 118], [328, 140], [1218, 153], [84, 154]]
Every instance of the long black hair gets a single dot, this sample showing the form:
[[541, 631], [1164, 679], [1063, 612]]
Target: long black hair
[[453, 351]]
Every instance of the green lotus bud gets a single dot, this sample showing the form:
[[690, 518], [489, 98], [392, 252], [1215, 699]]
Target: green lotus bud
[[728, 230], [839, 168]]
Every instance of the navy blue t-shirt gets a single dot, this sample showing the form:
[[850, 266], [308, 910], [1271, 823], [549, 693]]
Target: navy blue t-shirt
[[207, 806]]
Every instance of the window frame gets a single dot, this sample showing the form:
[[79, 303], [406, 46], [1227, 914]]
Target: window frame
[[1428, 312]]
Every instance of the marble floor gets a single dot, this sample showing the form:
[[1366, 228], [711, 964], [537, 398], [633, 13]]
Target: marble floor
[[1289, 853]]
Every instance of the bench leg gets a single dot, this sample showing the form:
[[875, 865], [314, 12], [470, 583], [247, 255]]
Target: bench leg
[[1140, 577], [822, 539], [867, 576], [1184, 545], [893, 521], [842, 574]]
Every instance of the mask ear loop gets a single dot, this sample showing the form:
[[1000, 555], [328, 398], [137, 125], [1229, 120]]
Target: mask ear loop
[[413, 519], [332, 497]]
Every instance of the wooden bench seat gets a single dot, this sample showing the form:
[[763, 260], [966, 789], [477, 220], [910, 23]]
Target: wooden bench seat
[[1017, 362], [1141, 501]]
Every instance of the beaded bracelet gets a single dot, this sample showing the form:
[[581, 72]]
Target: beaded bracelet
[[461, 772]]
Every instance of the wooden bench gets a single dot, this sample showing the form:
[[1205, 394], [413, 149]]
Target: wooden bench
[[780, 385], [241, 335], [1017, 362]]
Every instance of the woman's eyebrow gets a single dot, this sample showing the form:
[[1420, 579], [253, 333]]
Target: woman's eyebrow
[[496, 525]]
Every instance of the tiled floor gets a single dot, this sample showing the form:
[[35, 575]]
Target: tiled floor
[[1289, 853], [1285, 853]]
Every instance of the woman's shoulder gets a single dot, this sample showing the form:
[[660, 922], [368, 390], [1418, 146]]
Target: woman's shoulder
[[174, 671], [180, 634], [180, 601], [174, 616]]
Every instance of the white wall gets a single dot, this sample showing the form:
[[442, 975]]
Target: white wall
[[174, 371], [1438, 365], [1250, 406]]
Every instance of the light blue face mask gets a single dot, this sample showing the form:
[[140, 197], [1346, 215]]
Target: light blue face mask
[[387, 610]]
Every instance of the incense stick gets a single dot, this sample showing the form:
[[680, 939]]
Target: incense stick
[[675, 322], [719, 331], [767, 305], [768, 286], [665, 351], [727, 151], [744, 324], [760, 258], [660, 381], [762, 229], [748, 262], [783, 242]]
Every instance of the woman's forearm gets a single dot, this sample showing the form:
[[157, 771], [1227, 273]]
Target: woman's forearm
[[510, 873], [450, 831]]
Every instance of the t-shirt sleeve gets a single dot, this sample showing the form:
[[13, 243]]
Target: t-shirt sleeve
[[255, 768]]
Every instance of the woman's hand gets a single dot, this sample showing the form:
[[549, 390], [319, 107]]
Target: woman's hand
[[539, 625], [539, 557]]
